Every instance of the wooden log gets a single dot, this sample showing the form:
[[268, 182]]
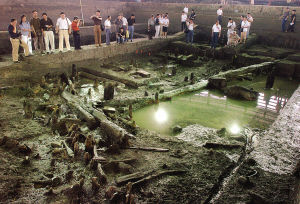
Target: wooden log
[[132, 177], [221, 146], [69, 150], [156, 175], [151, 149], [127, 161], [85, 115], [99, 171], [127, 82], [93, 77]]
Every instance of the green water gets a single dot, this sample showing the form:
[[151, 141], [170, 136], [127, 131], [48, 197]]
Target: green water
[[213, 109]]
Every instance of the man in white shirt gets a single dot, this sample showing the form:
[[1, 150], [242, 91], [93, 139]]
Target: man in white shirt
[[231, 26], [215, 34], [107, 25], [250, 20], [220, 14], [183, 21], [63, 28], [245, 26], [190, 33], [186, 9]]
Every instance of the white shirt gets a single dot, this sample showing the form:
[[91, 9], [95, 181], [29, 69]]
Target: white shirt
[[161, 20], [186, 10], [63, 24], [166, 22], [125, 22], [183, 17], [250, 19], [216, 28], [107, 24], [231, 26], [190, 26], [219, 12], [245, 24]]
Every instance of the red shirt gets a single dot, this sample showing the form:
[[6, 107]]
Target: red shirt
[[74, 26]]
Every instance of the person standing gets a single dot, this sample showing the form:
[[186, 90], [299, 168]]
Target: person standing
[[151, 30], [231, 26], [285, 17], [107, 25], [118, 26], [190, 33], [97, 27], [186, 9], [35, 24], [250, 20], [157, 26], [193, 15], [16, 41], [291, 27], [63, 28], [215, 34], [220, 14], [245, 26], [131, 22], [26, 32], [166, 23], [161, 19], [47, 29], [76, 33], [125, 27], [183, 21]]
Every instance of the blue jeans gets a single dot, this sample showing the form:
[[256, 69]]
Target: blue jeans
[[131, 30], [190, 36], [108, 36], [214, 41], [283, 25]]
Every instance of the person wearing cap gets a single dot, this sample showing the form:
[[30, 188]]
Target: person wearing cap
[[47, 29], [107, 25], [63, 28], [15, 40], [37, 36], [97, 27], [151, 30], [76, 34]]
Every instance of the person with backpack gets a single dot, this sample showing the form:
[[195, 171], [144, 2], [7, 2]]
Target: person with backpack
[[63, 28], [157, 26]]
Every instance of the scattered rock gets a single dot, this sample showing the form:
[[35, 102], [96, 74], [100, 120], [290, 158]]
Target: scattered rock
[[177, 129], [55, 144], [108, 109], [241, 92], [146, 93], [125, 168], [56, 181], [221, 132], [69, 175], [216, 83], [26, 161], [186, 79], [143, 73]]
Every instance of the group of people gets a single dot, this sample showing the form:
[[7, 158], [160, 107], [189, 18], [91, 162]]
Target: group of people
[[286, 15], [41, 32], [158, 26], [235, 33], [187, 24]]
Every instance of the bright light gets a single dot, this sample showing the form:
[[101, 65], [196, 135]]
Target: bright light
[[161, 115], [235, 129]]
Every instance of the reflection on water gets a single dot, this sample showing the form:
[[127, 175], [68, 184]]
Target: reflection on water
[[212, 109]]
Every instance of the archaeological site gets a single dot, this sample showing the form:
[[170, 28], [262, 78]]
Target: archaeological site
[[153, 102]]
